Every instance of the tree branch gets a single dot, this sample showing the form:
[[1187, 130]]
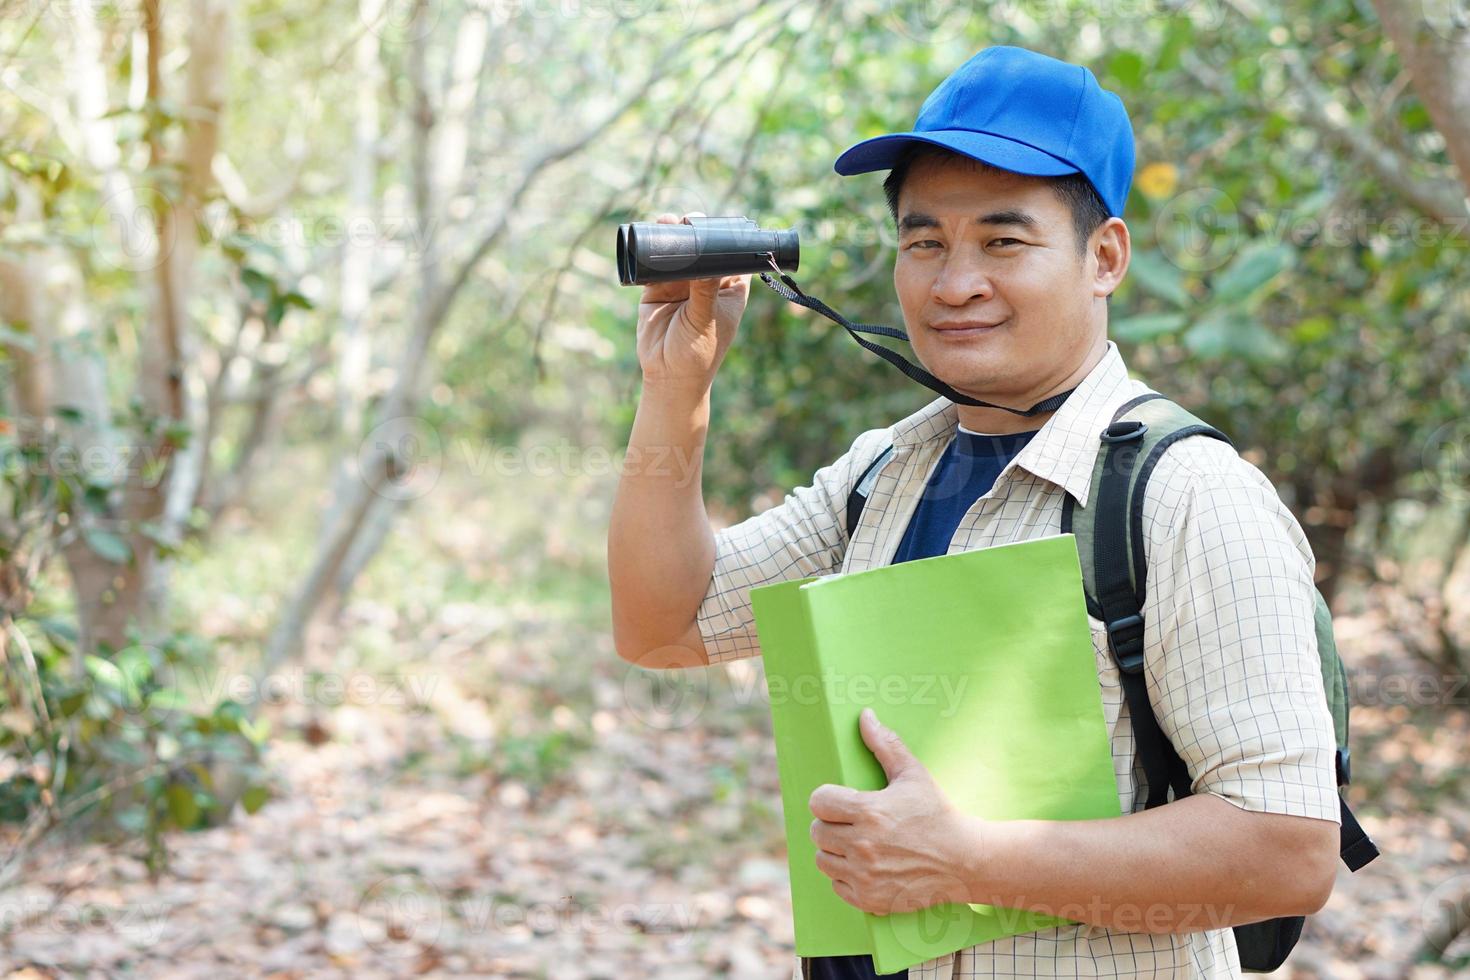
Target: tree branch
[[534, 171], [1442, 200]]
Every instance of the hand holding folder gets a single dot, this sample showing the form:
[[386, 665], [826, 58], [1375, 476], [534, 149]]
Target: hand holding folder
[[983, 663], [909, 831]]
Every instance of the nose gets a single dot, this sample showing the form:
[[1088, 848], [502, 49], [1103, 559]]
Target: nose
[[961, 280]]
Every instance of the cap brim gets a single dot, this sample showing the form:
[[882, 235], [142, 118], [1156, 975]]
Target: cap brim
[[881, 153]]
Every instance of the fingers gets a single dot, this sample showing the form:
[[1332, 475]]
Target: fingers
[[701, 305], [701, 291], [834, 803], [829, 838]]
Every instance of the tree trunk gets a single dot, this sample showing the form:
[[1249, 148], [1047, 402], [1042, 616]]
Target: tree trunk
[[434, 296], [382, 462], [1430, 38]]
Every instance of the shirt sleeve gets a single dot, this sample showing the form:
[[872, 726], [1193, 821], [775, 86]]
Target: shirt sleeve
[[1235, 678], [804, 535]]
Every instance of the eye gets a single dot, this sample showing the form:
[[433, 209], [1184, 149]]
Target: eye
[[1003, 241], [926, 241]]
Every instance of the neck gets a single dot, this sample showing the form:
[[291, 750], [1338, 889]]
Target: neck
[[997, 421]]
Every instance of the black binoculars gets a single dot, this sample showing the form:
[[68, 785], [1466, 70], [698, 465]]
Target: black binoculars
[[650, 251]]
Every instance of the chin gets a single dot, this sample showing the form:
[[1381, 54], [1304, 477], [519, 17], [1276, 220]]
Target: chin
[[965, 371]]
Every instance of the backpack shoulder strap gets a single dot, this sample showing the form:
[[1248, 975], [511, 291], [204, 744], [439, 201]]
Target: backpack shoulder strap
[[1109, 532], [1149, 424], [857, 498]]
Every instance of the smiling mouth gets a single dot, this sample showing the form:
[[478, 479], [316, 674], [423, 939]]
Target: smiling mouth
[[975, 331]]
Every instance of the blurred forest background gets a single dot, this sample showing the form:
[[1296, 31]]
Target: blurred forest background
[[315, 378]]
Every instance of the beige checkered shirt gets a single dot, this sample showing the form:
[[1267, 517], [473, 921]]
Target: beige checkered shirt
[[1230, 651]]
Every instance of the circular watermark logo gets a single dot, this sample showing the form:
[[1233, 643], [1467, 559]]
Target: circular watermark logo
[[400, 912], [1443, 909], [665, 698], [401, 459], [124, 229], [938, 917], [129, 687], [1199, 229]]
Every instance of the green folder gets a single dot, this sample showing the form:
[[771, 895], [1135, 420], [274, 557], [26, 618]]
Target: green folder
[[982, 662]]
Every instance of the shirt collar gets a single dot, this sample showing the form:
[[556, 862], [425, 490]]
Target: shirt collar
[[1065, 450]]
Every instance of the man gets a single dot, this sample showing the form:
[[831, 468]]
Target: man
[[1008, 197]]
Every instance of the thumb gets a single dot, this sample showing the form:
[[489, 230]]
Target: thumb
[[700, 307], [892, 754], [701, 303]]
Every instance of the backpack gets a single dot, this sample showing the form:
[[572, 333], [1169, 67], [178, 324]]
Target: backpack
[[1110, 545]]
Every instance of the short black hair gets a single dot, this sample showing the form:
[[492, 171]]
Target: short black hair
[[1074, 190]]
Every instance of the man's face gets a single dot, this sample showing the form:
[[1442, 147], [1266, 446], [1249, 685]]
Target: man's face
[[994, 247]]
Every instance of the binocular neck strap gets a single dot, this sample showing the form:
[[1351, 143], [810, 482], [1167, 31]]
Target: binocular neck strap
[[792, 292]]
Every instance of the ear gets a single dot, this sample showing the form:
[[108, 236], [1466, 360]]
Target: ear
[[1113, 250]]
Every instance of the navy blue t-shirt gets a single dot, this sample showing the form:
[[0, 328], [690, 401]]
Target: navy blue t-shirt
[[966, 471]]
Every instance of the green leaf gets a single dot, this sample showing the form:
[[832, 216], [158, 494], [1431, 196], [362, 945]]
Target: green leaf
[[235, 245], [1178, 36], [1157, 277], [256, 731], [30, 165], [1127, 68], [1256, 265], [94, 497], [1312, 329], [254, 798], [110, 546], [56, 629], [105, 672], [178, 433], [136, 666], [259, 284], [1147, 326], [1229, 332], [201, 772], [168, 698], [182, 806], [72, 703]]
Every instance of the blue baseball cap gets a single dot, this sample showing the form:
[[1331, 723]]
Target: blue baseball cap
[[1021, 111]]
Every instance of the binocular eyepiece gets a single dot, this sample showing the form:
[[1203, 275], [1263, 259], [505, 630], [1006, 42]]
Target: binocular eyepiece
[[650, 251]]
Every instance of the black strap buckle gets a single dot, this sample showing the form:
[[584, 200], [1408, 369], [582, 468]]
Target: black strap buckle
[[1124, 431], [1125, 639], [1344, 766]]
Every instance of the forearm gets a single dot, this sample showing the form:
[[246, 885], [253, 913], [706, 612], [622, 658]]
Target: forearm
[[660, 550], [1196, 863]]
